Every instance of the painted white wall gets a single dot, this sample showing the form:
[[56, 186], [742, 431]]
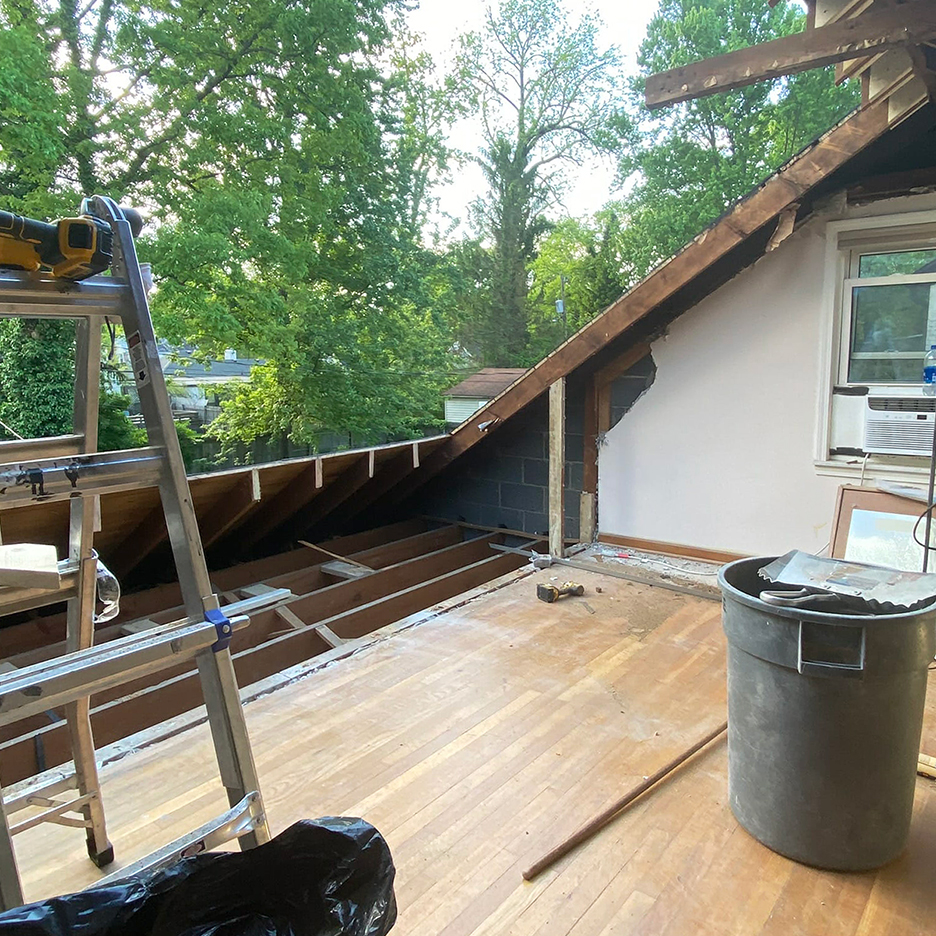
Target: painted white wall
[[719, 452]]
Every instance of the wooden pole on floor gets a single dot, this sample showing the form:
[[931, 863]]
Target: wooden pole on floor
[[557, 467], [603, 818]]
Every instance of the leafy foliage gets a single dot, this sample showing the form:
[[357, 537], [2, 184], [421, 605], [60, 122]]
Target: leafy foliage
[[544, 90], [35, 407], [687, 163], [288, 152], [269, 146]]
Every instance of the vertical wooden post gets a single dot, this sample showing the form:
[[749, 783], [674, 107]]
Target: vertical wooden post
[[588, 513], [557, 467]]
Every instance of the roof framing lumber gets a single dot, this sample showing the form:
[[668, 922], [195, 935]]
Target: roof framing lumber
[[230, 508], [787, 186], [182, 692], [331, 497], [876, 30], [148, 535], [306, 486]]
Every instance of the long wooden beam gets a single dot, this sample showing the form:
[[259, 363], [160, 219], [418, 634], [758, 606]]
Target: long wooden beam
[[173, 697], [876, 30], [785, 187], [556, 449], [330, 498], [230, 508], [148, 535]]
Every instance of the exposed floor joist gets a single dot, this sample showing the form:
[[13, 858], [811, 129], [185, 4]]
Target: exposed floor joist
[[410, 573]]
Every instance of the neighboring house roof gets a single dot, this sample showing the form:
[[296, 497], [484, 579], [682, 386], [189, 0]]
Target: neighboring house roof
[[487, 383]]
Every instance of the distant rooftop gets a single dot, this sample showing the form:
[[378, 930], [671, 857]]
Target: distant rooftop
[[487, 383]]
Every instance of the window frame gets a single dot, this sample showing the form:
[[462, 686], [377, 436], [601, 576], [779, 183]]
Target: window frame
[[846, 240], [848, 286]]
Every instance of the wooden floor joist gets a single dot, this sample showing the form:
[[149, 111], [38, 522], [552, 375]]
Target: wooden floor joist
[[429, 568]]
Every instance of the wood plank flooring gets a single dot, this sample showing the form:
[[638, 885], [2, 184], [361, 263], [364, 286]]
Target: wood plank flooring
[[479, 739]]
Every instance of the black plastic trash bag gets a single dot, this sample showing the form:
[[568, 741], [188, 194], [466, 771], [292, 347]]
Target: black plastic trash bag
[[323, 878]]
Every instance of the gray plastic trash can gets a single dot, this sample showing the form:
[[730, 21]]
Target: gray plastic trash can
[[824, 719]]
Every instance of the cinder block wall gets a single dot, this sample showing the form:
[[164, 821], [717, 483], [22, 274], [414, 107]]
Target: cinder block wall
[[503, 481]]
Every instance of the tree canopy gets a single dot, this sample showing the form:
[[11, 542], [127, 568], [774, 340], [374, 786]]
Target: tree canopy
[[686, 164], [544, 90], [290, 156]]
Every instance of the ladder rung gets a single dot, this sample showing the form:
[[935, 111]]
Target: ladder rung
[[52, 479], [54, 813], [246, 816], [52, 783], [51, 683], [30, 296], [50, 447]]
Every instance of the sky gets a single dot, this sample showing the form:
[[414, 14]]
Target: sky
[[441, 21]]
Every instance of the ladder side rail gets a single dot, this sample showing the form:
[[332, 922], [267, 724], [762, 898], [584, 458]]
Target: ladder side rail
[[83, 514], [215, 667]]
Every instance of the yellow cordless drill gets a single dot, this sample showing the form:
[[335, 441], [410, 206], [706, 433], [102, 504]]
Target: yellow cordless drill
[[71, 248]]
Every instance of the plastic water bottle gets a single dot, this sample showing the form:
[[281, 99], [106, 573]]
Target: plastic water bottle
[[929, 372]]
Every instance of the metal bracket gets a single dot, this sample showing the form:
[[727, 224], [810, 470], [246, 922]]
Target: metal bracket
[[222, 626]]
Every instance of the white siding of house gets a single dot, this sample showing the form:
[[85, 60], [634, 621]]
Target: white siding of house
[[720, 451], [458, 409]]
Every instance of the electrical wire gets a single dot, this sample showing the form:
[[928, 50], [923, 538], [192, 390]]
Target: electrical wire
[[916, 527], [112, 333]]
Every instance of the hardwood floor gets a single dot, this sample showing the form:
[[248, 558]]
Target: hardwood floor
[[478, 740]]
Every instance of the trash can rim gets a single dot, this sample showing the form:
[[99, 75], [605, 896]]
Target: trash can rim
[[802, 614]]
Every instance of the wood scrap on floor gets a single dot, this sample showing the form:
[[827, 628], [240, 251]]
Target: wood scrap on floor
[[615, 809]]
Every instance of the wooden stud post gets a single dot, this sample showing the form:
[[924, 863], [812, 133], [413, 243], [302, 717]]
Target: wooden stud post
[[588, 516], [557, 467]]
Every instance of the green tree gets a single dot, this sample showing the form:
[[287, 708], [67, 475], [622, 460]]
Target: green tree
[[577, 260], [37, 376], [684, 165], [37, 386], [265, 141], [543, 89]]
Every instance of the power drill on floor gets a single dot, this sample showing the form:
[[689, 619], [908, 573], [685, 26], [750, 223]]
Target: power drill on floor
[[71, 248]]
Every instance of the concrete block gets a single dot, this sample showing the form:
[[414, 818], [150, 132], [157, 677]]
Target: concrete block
[[501, 517], [573, 476], [504, 468], [523, 497], [574, 446], [536, 471], [526, 443], [535, 523], [477, 491]]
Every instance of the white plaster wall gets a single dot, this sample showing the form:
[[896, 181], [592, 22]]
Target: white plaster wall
[[718, 453]]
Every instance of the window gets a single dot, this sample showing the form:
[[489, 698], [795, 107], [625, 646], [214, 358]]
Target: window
[[889, 314]]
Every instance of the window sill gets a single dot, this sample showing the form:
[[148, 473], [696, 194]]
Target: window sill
[[913, 470]]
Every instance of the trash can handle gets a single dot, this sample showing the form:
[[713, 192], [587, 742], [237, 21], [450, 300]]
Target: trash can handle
[[830, 650]]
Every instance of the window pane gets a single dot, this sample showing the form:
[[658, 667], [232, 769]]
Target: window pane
[[887, 320], [903, 262]]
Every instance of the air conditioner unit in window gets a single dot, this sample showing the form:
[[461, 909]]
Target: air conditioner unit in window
[[899, 423]]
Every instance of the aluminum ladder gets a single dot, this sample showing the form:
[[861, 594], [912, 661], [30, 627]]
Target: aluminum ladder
[[69, 468]]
